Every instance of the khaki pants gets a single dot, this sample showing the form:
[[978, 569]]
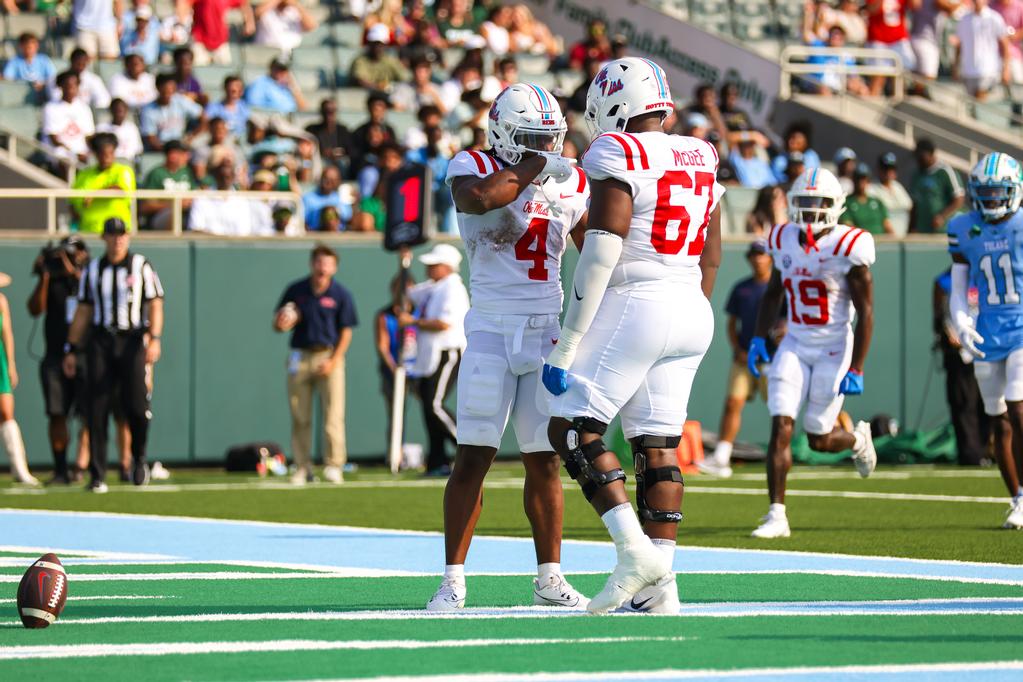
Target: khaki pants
[[303, 380]]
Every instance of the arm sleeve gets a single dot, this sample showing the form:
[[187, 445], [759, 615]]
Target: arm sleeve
[[84, 290], [348, 316], [287, 297], [954, 246], [732, 306], [958, 305], [954, 183], [600, 254]]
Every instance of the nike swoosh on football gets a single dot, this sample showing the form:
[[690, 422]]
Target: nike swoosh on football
[[576, 292], [640, 605]]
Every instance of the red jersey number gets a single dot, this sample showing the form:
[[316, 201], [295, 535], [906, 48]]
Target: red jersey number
[[535, 234], [813, 295], [667, 212]]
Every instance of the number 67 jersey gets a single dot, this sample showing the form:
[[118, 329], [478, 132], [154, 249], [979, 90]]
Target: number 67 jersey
[[814, 277], [673, 182], [995, 256]]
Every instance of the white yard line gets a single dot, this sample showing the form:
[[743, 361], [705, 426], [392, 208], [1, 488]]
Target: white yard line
[[104, 597], [289, 645], [219, 575]]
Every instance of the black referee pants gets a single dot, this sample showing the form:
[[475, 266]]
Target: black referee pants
[[966, 410], [440, 423], [116, 370]]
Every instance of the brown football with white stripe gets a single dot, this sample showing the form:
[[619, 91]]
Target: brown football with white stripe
[[42, 592]]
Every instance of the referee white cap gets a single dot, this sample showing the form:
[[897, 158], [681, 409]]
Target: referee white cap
[[442, 254]]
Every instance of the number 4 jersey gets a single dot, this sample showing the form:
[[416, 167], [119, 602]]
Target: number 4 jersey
[[515, 251], [820, 308], [673, 181], [995, 256]]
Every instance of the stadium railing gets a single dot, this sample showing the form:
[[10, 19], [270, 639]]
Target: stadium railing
[[51, 195], [869, 62]]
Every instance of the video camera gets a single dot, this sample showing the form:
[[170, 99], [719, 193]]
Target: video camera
[[52, 259]]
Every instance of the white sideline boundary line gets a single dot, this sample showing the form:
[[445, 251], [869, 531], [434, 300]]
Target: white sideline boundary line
[[970, 606], [36, 551], [290, 645], [819, 671], [102, 597], [218, 575], [516, 484], [493, 538], [281, 566]]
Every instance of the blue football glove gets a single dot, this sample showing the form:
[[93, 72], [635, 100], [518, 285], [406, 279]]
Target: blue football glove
[[555, 379], [852, 383], [757, 354]]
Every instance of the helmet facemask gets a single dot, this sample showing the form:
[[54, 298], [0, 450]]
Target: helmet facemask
[[815, 211], [994, 199]]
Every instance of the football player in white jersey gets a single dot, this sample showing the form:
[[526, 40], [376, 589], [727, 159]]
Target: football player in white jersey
[[517, 206], [638, 323], [824, 270]]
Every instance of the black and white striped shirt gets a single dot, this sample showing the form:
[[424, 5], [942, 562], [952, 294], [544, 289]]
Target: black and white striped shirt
[[117, 292]]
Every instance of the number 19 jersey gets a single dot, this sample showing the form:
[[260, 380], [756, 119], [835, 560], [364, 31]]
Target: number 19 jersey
[[995, 256], [673, 181], [515, 251], [820, 308]]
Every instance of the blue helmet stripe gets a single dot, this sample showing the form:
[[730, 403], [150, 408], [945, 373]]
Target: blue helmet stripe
[[660, 81]]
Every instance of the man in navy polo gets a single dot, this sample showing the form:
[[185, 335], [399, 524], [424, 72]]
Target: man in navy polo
[[320, 314]]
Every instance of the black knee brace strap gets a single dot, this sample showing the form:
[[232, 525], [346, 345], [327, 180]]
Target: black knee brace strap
[[579, 458], [645, 478]]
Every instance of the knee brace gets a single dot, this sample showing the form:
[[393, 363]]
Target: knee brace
[[646, 478], [578, 457]]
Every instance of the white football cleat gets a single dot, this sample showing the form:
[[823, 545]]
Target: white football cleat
[[659, 598], [333, 475], [450, 596], [27, 479], [773, 526], [557, 592], [865, 458], [639, 565], [300, 477], [712, 468], [1014, 519]]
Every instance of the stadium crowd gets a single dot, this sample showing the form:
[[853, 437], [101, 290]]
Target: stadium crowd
[[184, 111]]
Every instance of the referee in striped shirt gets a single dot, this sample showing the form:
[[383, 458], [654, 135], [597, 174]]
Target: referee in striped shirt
[[120, 304]]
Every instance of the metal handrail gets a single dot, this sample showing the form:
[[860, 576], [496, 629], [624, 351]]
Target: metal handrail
[[176, 197], [14, 140], [792, 62]]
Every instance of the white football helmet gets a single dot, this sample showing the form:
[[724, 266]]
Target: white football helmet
[[996, 186], [816, 200], [625, 88], [525, 118]]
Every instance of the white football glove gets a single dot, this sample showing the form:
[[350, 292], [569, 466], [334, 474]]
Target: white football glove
[[557, 167], [969, 338], [549, 188]]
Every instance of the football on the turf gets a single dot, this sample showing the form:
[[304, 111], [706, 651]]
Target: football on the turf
[[42, 592]]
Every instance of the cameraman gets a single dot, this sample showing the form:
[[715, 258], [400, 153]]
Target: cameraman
[[58, 268]]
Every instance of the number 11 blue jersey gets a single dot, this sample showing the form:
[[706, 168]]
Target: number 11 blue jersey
[[995, 256]]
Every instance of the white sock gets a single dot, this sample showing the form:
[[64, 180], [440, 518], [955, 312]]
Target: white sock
[[858, 441], [545, 571], [623, 525], [455, 572], [15, 446], [723, 453], [1019, 492], [777, 510], [665, 546]]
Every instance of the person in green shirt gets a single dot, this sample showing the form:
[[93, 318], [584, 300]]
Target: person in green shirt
[[106, 174], [864, 211], [936, 191], [174, 175]]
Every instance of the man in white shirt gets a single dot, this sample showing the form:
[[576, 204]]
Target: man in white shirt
[[281, 23], [68, 122], [91, 88], [134, 85], [129, 140], [982, 55], [442, 303]]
